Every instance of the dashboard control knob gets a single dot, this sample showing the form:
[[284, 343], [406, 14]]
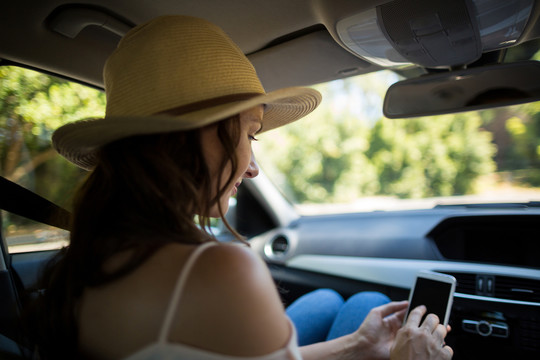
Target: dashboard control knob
[[484, 328]]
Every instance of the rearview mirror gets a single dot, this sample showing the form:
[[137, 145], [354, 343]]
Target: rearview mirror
[[464, 90]]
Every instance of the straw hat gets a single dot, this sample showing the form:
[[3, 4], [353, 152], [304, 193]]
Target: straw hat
[[176, 73]]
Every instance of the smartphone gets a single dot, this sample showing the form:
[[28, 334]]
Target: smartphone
[[436, 292]]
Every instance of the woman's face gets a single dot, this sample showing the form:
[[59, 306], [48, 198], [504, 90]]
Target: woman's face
[[250, 124]]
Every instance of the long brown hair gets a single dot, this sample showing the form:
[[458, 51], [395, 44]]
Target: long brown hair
[[143, 194]]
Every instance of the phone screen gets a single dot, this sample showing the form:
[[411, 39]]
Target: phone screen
[[433, 294]]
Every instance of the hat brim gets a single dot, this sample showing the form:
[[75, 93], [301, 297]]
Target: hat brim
[[79, 141]]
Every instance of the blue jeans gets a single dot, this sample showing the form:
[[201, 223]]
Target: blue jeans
[[324, 315]]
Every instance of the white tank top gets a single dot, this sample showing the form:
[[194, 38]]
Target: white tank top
[[164, 350]]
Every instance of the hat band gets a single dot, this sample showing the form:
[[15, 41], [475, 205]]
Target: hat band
[[200, 105]]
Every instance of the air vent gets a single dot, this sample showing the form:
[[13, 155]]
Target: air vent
[[466, 283], [506, 287], [280, 245], [517, 288]]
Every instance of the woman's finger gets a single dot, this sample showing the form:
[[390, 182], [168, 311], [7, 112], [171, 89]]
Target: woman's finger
[[416, 316], [395, 321], [440, 334], [430, 323], [448, 351], [392, 307]]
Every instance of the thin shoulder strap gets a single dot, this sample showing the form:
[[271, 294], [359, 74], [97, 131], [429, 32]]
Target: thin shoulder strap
[[177, 292]]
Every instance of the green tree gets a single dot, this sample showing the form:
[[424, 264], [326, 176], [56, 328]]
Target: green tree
[[33, 105], [344, 150], [430, 156], [322, 160], [524, 129]]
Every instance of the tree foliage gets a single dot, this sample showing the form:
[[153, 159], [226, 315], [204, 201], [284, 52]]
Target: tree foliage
[[33, 105], [431, 156], [341, 153], [524, 129]]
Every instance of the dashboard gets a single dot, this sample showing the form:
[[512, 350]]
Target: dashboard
[[493, 253]]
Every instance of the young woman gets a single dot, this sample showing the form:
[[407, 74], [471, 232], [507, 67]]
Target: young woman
[[140, 279]]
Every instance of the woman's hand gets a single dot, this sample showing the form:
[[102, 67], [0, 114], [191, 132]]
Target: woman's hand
[[379, 329], [381, 336], [419, 342], [372, 340]]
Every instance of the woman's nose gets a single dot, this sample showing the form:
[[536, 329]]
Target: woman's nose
[[253, 168]]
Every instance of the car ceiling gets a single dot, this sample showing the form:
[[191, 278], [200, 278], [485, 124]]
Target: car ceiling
[[290, 42], [294, 29]]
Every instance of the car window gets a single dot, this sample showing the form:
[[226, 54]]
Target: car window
[[32, 105], [346, 156]]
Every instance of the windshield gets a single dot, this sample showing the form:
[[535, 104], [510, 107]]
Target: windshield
[[347, 156]]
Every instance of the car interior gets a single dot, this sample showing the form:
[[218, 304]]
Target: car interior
[[449, 56]]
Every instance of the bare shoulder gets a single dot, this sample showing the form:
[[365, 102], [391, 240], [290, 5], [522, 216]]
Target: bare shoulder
[[230, 305], [120, 317]]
